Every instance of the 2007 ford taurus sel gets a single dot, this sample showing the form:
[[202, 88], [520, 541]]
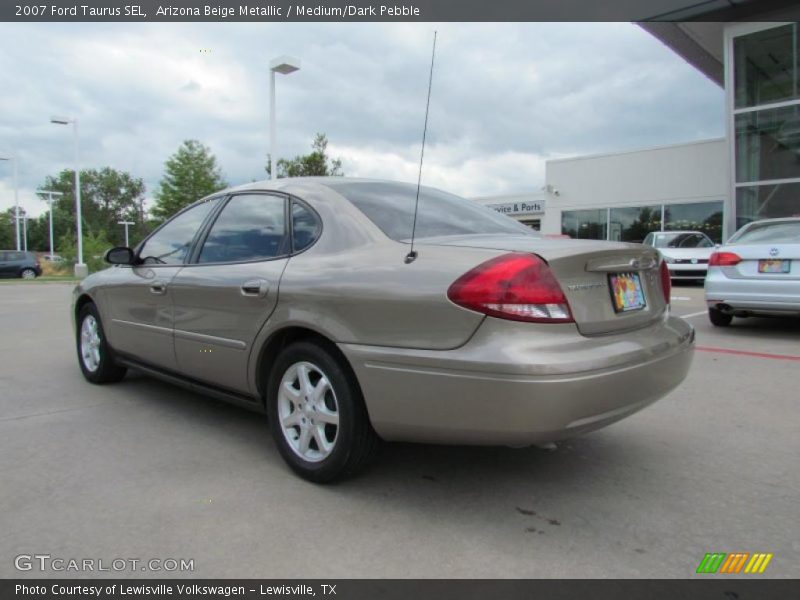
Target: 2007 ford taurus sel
[[301, 298]]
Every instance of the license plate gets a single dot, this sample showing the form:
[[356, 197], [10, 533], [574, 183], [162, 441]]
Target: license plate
[[626, 292], [774, 266]]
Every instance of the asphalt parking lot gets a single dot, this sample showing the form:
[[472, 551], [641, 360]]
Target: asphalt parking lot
[[144, 470]]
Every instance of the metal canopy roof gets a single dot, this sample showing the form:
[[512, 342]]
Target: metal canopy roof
[[698, 37]]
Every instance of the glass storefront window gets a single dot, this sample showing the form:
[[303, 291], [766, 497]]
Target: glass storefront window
[[766, 66], [699, 216], [585, 224], [768, 144], [766, 201], [632, 224]]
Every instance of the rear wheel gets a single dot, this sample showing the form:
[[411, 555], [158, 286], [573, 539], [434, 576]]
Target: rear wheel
[[28, 274], [94, 354], [317, 414], [719, 318]]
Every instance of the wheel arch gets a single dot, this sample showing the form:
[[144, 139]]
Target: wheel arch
[[282, 338], [80, 302]]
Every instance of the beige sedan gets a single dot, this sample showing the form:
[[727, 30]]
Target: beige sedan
[[302, 298]]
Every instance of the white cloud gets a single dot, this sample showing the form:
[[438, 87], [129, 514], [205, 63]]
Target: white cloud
[[506, 97]]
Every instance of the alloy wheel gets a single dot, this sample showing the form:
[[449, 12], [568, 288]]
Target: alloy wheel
[[308, 411], [90, 343]]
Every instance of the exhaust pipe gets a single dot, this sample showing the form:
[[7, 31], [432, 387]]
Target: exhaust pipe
[[724, 308]]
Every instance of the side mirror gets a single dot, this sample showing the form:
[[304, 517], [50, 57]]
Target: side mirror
[[121, 255]]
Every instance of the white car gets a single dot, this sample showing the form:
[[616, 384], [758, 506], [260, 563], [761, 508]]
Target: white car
[[685, 252], [756, 273]]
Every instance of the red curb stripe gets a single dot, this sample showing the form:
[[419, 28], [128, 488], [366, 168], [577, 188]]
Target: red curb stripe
[[745, 353]]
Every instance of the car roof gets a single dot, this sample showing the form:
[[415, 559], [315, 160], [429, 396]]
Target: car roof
[[286, 183]]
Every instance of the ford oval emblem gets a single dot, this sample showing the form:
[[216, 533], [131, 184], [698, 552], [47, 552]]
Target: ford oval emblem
[[773, 251]]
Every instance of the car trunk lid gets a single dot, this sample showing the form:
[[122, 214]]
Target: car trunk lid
[[785, 261], [584, 269]]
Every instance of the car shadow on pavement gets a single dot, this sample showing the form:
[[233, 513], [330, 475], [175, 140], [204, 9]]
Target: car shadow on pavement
[[409, 469], [775, 327]]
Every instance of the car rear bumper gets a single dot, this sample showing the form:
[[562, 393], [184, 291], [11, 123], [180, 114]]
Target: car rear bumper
[[758, 296], [516, 384]]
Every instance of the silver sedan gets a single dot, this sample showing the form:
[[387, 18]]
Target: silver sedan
[[756, 273], [303, 298]]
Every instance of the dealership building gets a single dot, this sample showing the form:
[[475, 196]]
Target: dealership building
[[715, 185]]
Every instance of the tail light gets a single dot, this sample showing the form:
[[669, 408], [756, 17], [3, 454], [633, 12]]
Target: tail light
[[519, 287], [666, 281], [724, 259]]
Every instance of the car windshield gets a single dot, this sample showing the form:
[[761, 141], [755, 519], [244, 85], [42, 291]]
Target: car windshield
[[681, 240], [391, 207], [782, 232]]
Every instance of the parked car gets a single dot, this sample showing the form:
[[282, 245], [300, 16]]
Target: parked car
[[757, 272], [54, 258], [685, 252], [302, 298], [18, 263]]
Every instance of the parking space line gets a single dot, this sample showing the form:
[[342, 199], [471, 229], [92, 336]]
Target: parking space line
[[747, 353], [697, 314]]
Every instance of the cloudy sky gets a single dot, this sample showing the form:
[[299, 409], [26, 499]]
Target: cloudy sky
[[506, 97]]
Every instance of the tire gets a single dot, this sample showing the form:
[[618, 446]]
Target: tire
[[28, 274], [719, 318], [95, 357], [321, 428]]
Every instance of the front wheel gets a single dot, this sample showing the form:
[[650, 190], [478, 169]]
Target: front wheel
[[28, 274], [719, 318], [94, 354], [317, 414]]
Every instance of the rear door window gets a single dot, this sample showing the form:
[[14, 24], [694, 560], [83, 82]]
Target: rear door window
[[250, 227], [305, 227]]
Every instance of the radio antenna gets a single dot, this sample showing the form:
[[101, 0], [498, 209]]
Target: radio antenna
[[412, 255]]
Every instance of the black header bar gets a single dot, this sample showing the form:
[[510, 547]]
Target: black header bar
[[398, 10]]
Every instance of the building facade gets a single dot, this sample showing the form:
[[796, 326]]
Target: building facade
[[762, 83], [626, 195], [528, 209]]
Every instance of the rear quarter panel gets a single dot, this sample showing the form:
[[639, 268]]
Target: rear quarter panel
[[370, 296]]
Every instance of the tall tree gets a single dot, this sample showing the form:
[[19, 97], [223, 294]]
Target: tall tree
[[190, 174], [316, 163], [8, 236], [107, 196]]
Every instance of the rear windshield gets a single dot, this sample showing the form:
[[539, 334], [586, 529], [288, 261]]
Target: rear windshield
[[681, 240], [786, 232], [391, 207]]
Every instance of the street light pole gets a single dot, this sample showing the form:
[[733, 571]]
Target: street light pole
[[81, 270], [283, 65], [126, 223], [14, 159], [50, 194]]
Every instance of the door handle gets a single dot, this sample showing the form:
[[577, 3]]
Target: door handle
[[255, 287], [158, 287]]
